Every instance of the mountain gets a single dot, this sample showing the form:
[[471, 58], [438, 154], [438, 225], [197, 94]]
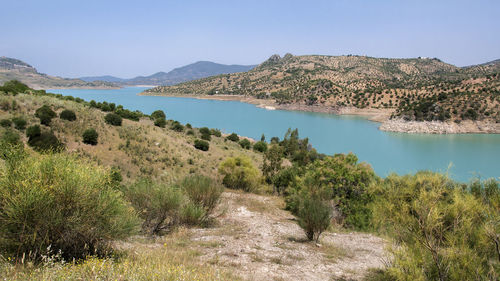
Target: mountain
[[14, 69], [189, 72], [106, 78], [421, 89]]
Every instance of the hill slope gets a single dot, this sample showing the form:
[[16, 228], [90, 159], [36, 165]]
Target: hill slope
[[14, 69], [418, 89], [189, 72]]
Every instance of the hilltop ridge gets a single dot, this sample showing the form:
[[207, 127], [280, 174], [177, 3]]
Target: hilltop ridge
[[414, 89]]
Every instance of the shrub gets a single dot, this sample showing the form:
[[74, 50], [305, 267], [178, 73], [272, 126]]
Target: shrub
[[204, 131], [444, 230], [19, 123], [45, 114], [260, 146], [239, 173], [233, 137], [33, 131], [68, 115], [215, 132], [158, 114], [11, 137], [192, 214], [206, 137], [160, 122], [90, 136], [189, 126], [202, 191], [176, 126], [45, 142], [201, 145], [55, 203], [157, 204], [314, 216], [190, 133], [244, 143], [6, 123], [113, 119], [14, 86]]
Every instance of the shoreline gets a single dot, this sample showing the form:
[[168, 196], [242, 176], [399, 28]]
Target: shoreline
[[373, 114]]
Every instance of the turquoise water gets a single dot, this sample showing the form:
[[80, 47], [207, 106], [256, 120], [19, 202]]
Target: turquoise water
[[463, 156]]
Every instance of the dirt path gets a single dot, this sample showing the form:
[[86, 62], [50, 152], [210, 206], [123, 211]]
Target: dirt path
[[258, 240]]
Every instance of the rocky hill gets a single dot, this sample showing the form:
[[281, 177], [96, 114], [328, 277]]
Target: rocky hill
[[419, 89], [14, 69], [186, 73]]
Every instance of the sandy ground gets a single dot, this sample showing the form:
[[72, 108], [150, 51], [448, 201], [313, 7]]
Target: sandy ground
[[256, 239]]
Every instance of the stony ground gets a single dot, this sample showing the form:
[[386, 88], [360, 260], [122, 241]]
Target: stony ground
[[256, 239]]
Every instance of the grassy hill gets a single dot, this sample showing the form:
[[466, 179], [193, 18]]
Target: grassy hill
[[407, 87], [14, 69]]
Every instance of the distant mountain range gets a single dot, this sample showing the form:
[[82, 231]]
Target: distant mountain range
[[197, 70], [14, 69]]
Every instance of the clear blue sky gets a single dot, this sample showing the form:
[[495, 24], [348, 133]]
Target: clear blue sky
[[127, 38]]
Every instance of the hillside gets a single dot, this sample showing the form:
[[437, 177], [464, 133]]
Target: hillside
[[189, 72], [14, 69], [406, 88]]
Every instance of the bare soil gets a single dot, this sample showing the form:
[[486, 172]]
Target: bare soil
[[256, 239]]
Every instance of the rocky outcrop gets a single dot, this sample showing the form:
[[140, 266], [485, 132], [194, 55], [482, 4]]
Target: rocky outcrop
[[436, 127]]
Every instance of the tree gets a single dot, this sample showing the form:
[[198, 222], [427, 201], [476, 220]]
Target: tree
[[245, 143], [45, 114], [90, 136], [233, 137], [158, 114], [273, 159], [160, 122], [113, 119], [260, 146], [68, 115]]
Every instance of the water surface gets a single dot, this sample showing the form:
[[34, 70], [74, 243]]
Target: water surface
[[464, 155]]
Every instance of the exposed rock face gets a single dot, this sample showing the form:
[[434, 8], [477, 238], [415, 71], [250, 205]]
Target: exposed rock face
[[436, 127]]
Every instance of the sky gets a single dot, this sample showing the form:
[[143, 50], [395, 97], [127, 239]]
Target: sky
[[123, 38]]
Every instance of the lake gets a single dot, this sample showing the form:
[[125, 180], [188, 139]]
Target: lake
[[463, 156]]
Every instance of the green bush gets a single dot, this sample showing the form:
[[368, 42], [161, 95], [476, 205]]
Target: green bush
[[90, 136], [19, 123], [215, 132], [11, 137], [176, 126], [113, 119], [260, 146], [204, 131], [233, 137], [202, 191], [206, 137], [33, 131], [68, 115], [244, 143], [158, 114], [240, 173], [160, 122], [444, 230], [157, 204], [14, 86], [45, 142], [201, 145], [314, 216], [192, 214], [6, 123], [55, 203], [45, 114]]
